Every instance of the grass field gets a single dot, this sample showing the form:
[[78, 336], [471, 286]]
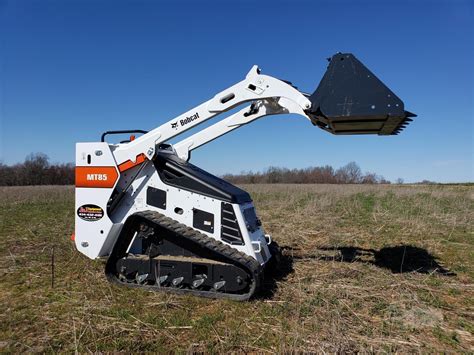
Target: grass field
[[366, 268]]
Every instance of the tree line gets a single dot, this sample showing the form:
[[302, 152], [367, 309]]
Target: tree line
[[37, 170], [348, 174]]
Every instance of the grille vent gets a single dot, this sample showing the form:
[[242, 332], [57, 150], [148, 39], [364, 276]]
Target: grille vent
[[230, 230]]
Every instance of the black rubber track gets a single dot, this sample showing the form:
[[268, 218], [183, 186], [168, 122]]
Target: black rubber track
[[224, 252]]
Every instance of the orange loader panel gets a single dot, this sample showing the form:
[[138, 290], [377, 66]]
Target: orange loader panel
[[96, 176], [129, 164]]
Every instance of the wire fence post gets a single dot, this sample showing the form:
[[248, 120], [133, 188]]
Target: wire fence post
[[52, 267]]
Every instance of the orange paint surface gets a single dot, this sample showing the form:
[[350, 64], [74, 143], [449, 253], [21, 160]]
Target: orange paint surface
[[96, 176], [129, 164]]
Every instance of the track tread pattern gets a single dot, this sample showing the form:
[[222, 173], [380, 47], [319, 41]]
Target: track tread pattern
[[231, 255]]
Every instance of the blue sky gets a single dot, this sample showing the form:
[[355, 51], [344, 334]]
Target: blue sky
[[70, 70]]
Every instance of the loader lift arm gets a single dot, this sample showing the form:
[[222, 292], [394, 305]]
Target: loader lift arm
[[254, 87]]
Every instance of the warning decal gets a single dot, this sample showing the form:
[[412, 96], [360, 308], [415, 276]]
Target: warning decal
[[90, 212]]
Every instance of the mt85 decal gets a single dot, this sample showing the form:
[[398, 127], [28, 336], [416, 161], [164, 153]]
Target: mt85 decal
[[96, 176]]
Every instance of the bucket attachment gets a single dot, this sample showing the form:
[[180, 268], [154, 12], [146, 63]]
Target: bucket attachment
[[350, 99]]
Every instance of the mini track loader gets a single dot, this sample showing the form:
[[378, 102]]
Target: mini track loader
[[167, 225]]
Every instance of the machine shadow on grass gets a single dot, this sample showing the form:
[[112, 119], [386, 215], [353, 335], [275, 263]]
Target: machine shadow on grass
[[398, 259], [276, 272]]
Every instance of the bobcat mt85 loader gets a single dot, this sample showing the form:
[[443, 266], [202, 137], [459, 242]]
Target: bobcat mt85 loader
[[166, 225]]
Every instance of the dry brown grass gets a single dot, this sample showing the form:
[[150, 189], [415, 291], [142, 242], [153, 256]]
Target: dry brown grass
[[375, 268]]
